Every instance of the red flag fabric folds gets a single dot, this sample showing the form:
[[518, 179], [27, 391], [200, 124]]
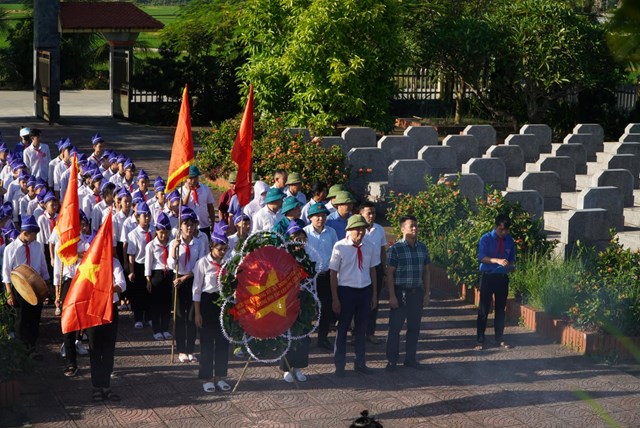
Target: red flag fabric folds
[[90, 297], [242, 153], [182, 150], [68, 225]]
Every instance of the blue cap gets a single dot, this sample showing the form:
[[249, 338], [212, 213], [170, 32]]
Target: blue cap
[[40, 184], [219, 236], [105, 184], [188, 214], [317, 208], [113, 157], [123, 192], [7, 209], [293, 227], [19, 164], [136, 198], [3, 148], [24, 175], [96, 139], [121, 158], [142, 175], [49, 196], [29, 224], [128, 164], [97, 176], [40, 196], [273, 194], [10, 232], [290, 202], [174, 196], [159, 184], [143, 208], [31, 181], [240, 216], [162, 222], [83, 217], [194, 171]]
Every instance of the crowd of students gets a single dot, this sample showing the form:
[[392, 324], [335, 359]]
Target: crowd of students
[[161, 248]]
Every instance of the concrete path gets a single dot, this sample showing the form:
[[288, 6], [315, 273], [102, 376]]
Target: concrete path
[[83, 114], [535, 384]]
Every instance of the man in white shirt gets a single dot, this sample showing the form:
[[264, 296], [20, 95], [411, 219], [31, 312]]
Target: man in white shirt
[[318, 195], [376, 236], [25, 250], [321, 239], [200, 199], [37, 156], [294, 188], [353, 291], [268, 215]]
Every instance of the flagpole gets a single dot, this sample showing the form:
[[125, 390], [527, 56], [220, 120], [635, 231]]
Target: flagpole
[[175, 289]]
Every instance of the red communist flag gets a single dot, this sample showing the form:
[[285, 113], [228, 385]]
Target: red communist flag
[[89, 300], [242, 153], [182, 150], [68, 224], [267, 295]]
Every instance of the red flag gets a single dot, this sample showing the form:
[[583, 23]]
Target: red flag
[[182, 151], [68, 225], [89, 300], [242, 153]]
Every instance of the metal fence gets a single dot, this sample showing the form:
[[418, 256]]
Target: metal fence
[[140, 96], [419, 85]]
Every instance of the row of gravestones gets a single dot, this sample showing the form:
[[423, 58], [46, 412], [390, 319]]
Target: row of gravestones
[[536, 171]]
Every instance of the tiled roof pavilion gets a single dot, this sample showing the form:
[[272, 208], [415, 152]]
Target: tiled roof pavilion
[[92, 17]]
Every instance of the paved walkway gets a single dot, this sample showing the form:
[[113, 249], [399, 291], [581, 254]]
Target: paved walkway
[[535, 384]]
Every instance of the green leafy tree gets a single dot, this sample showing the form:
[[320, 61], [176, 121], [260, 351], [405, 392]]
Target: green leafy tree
[[323, 61], [624, 37]]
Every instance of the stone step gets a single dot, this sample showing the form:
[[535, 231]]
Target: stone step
[[570, 200], [583, 181], [632, 216], [630, 239]]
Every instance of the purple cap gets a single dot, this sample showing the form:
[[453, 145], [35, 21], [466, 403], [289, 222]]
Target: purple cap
[[162, 222], [24, 175], [96, 139], [188, 214], [31, 181], [143, 208], [97, 176], [29, 224], [142, 175], [173, 196], [49, 196], [293, 227], [40, 184]]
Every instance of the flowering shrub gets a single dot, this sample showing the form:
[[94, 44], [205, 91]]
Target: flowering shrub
[[452, 229], [273, 148], [608, 295]]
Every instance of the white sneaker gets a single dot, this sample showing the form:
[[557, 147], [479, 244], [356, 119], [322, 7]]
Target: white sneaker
[[167, 335], [183, 358], [58, 311], [63, 353], [150, 323], [288, 377], [80, 348], [138, 325], [192, 358], [299, 375], [158, 336]]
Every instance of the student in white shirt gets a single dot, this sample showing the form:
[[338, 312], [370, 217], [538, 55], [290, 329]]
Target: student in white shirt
[[102, 207], [91, 200], [353, 291], [142, 182], [37, 156], [47, 223], [137, 241], [159, 278], [200, 199], [185, 252], [17, 189], [214, 347], [242, 224], [268, 215], [28, 198], [25, 250]]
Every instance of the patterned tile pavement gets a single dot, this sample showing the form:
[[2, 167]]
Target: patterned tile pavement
[[535, 384]]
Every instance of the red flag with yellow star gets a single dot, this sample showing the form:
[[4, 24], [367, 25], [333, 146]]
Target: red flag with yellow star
[[89, 300]]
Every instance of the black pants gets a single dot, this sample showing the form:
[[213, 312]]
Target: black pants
[[354, 303], [214, 347], [297, 356], [185, 325], [373, 316], [138, 294], [161, 288], [69, 338], [323, 286], [120, 255], [102, 347], [47, 258], [490, 285], [27, 322], [410, 310]]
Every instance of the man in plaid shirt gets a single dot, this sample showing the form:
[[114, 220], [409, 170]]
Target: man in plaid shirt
[[408, 284]]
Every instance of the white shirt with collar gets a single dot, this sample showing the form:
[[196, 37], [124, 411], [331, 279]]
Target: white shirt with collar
[[264, 219], [154, 257], [88, 203], [185, 265], [322, 243], [118, 279], [99, 213], [205, 198], [67, 271], [46, 228], [15, 255], [37, 160], [128, 225], [344, 260], [205, 277], [14, 193], [58, 172], [52, 168], [118, 219], [299, 196], [137, 242], [377, 238], [23, 204]]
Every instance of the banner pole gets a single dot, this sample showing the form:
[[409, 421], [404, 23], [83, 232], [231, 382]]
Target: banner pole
[[175, 289], [244, 370]]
